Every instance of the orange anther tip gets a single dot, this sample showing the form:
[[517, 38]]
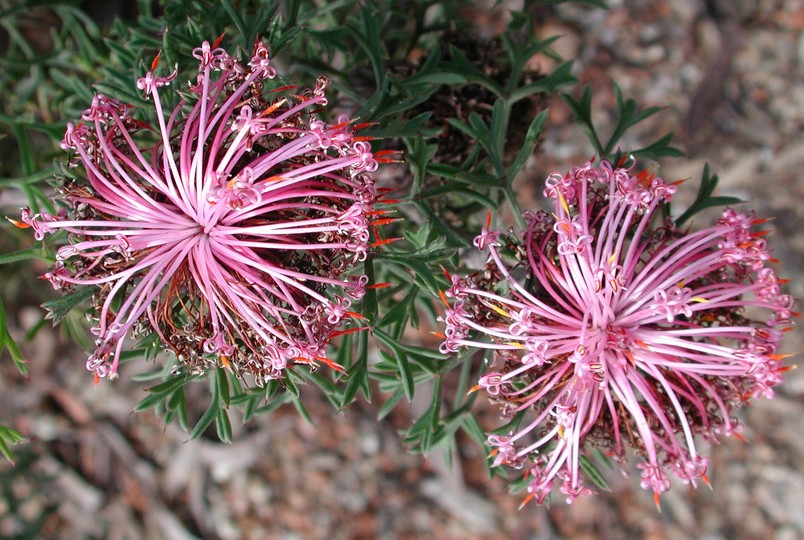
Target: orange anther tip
[[18, 224], [739, 437], [474, 389], [779, 356], [389, 201], [488, 219], [656, 501], [525, 501], [443, 298], [707, 482], [356, 315], [97, 378], [439, 335]]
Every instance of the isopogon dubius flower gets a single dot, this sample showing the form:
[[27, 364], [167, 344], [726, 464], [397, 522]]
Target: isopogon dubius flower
[[231, 227], [612, 328]]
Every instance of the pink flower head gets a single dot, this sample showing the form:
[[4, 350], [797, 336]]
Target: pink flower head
[[613, 328], [231, 227]]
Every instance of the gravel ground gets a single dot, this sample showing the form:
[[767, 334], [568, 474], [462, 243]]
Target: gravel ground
[[732, 81]]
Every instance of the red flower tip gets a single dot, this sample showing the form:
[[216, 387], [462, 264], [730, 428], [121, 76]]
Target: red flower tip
[[386, 221], [385, 241], [382, 285], [155, 61], [327, 362], [219, 40], [349, 331]]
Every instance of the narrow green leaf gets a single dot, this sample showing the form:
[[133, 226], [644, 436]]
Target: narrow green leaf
[[531, 138], [561, 76], [59, 308], [206, 419], [223, 426], [23, 255], [8, 437], [472, 428], [593, 473], [222, 385], [6, 342], [390, 404], [435, 404]]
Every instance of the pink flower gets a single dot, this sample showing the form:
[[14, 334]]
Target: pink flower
[[231, 227], [612, 328]]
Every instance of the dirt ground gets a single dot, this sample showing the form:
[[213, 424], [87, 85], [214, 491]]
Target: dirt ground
[[732, 81]]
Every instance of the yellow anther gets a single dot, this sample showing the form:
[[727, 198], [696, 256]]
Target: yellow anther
[[564, 204], [498, 310]]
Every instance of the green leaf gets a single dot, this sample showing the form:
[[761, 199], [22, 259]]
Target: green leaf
[[531, 138], [437, 78], [461, 65], [24, 255], [389, 405], [561, 76], [223, 426], [704, 198], [206, 419], [582, 112], [222, 386], [656, 150], [419, 159], [59, 308], [593, 473], [472, 428], [8, 437], [8, 344], [401, 362]]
